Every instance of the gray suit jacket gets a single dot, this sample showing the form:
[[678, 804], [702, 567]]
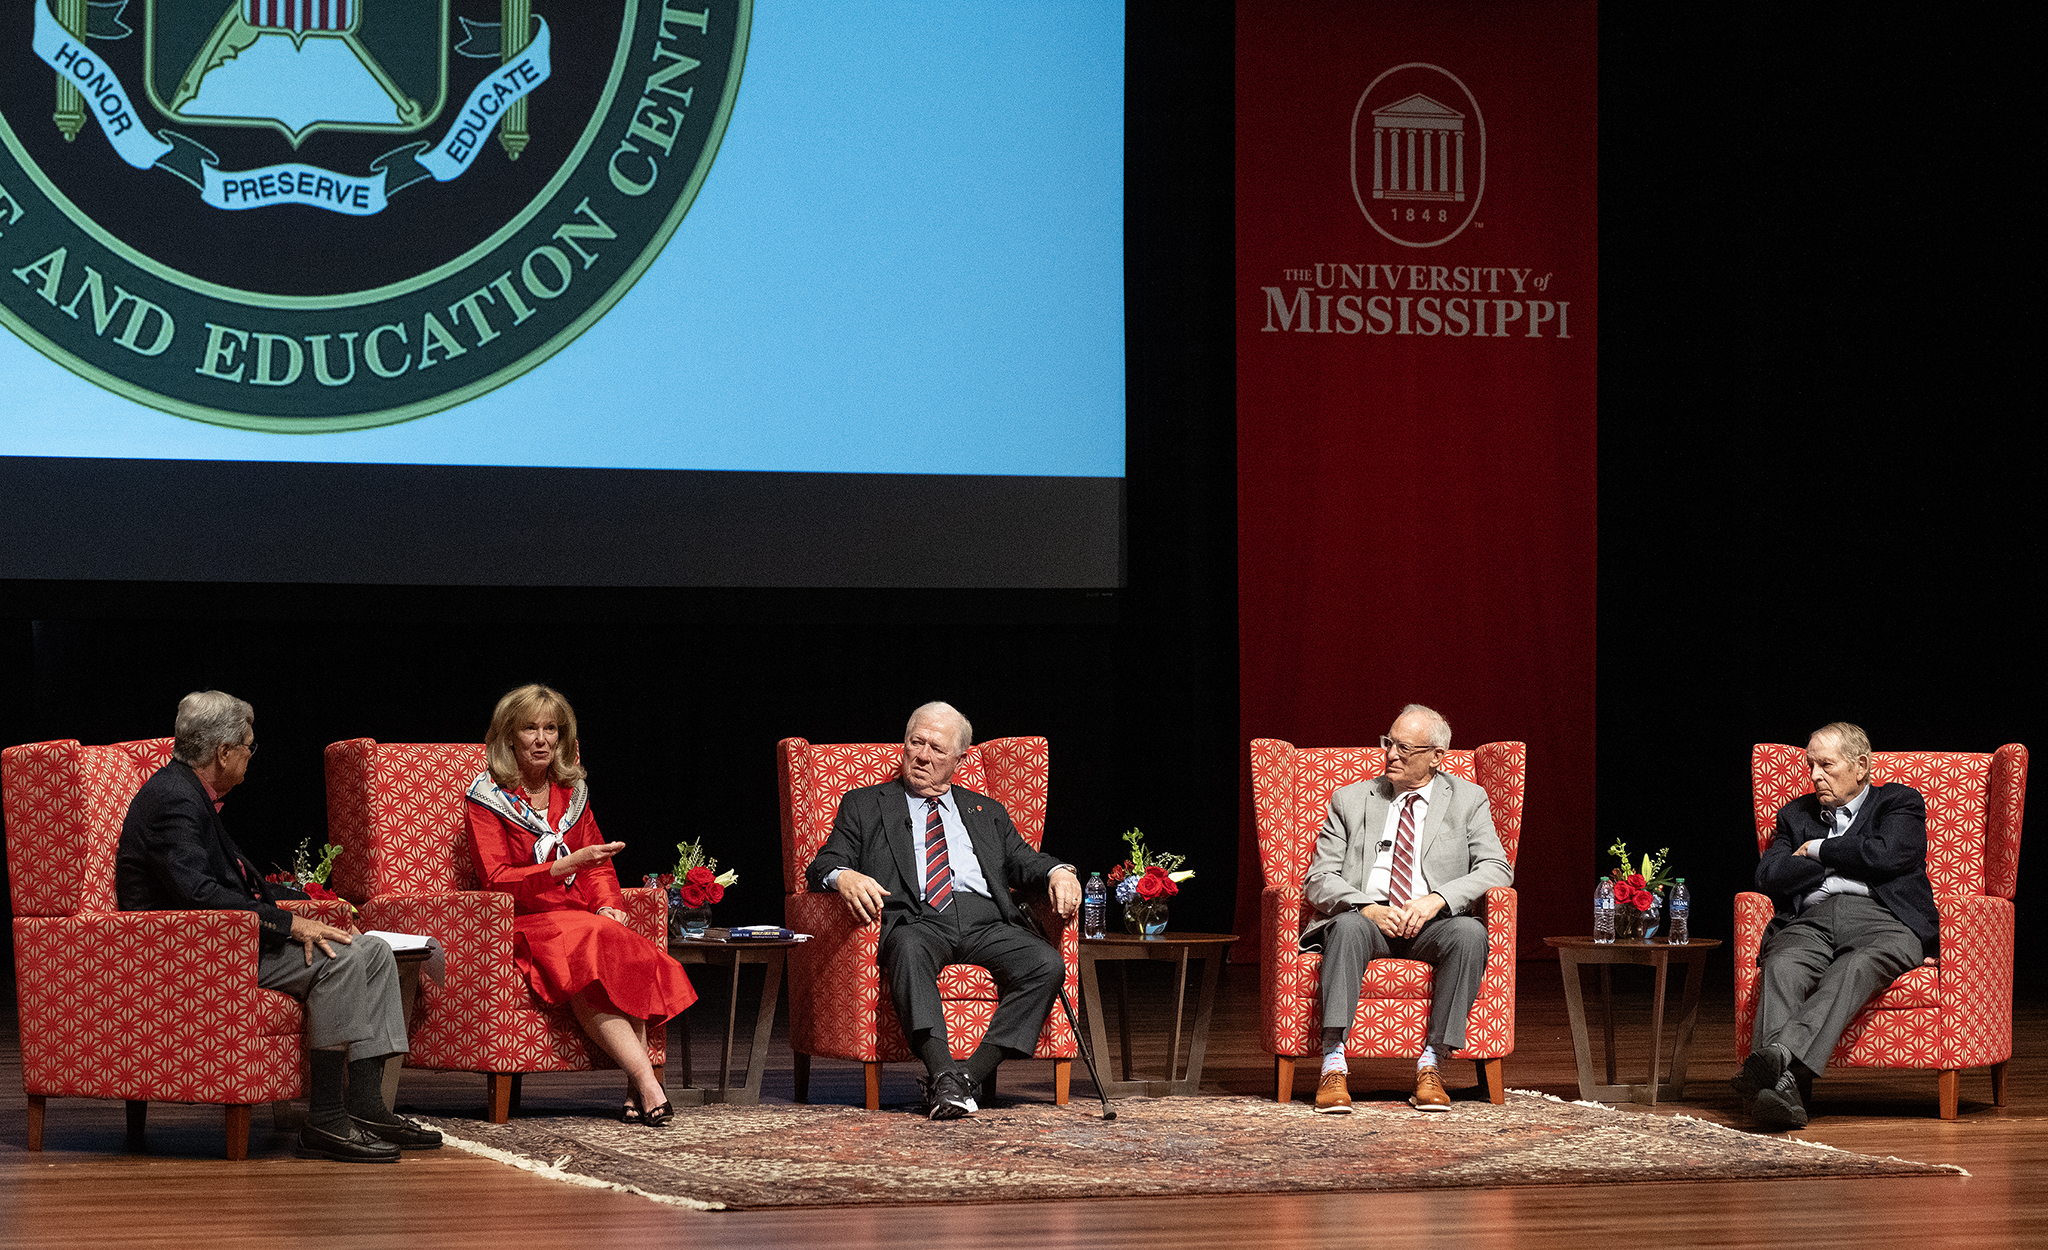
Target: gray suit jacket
[[1458, 853]]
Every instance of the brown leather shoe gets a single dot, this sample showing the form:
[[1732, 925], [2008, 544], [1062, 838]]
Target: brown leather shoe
[[1333, 1096], [1429, 1092]]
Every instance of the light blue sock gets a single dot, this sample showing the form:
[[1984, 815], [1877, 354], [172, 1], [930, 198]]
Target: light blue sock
[[1427, 1059], [1333, 1051]]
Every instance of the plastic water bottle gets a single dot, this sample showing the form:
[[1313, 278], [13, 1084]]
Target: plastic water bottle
[[1094, 904], [1680, 911], [1603, 912]]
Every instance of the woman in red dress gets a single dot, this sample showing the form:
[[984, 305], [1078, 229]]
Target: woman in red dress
[[534, 838]]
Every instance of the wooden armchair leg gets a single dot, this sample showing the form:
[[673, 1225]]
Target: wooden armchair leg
[[1951, 1092], [1491, 1080], [1998, 1084], [37, 1104], [138, 1121], [498, 1096], [1062, 1080], [1283, 1078], [800, 1070], [238, 1131], [874, 1084]]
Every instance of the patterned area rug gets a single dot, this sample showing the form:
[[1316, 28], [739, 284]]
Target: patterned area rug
[[721, 1157]]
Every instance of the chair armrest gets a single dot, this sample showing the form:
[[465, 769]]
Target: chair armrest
[[1976, 977], [835, 993], [474, 927], [648, 909], [1289, 992], [337, 912]]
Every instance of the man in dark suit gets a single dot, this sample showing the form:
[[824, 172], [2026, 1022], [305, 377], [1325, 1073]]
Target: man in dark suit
[[1847, 872], [176, 855], [937, 863], [1398, 865]]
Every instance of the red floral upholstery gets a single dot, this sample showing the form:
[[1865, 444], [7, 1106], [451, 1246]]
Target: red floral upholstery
[[152, 1006], [837, 1006], [396, 810], [1291, 789], [1957, 1014]]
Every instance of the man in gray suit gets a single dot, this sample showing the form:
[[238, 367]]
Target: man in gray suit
[[1398, 865]]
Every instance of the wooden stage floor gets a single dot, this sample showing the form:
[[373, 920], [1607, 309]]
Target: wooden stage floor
[[85, 1190]]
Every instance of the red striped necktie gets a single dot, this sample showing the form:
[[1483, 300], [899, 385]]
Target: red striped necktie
[[1404, 853], [938, 871]]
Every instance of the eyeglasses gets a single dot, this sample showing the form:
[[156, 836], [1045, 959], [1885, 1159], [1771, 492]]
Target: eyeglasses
[[1402, 749], [250, 747]]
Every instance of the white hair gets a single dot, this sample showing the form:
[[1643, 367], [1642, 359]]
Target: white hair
[[1439, 728], [942, 711], [1850, 739], [207, 721]]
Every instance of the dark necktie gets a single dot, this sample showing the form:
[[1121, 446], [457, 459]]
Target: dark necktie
[[938, 871], [1404, 853]]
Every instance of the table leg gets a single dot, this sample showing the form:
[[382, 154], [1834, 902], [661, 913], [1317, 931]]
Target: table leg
[[1575, 1008], [1688, 1016], [764, 1025], [1123, 1015], [1098, 1031], [1607, 1016], [1657, 1024], [1205, 1006], [1180, 999], [732, 1018]]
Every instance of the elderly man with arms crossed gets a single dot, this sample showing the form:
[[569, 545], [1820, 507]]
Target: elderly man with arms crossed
[[1398, 865], [176, 855], [936, 862], [1847, 873]]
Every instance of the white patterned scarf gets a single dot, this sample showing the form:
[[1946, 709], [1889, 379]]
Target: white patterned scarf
[[550, 842]]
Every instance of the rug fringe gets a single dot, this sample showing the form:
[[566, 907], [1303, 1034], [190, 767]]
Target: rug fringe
[[1723, 1128], [553, 1172]]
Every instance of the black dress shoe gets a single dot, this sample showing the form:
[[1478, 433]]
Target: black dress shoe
[[1761, 1071], [400, 1132], [948, 1096], [354, 1147], [1778, 1109]]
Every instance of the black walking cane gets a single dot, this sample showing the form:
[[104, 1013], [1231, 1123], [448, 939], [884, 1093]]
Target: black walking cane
[[1080, 1037]]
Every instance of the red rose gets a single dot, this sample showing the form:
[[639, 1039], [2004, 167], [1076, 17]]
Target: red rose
[[1156, 884], [1636, 879], [694, 895], [701, 875], [315, 890]]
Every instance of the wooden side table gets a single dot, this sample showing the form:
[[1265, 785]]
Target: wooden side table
[[1575, 952], [771, 954], [1177, 948]]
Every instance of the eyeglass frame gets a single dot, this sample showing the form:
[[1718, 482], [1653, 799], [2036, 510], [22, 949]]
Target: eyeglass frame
[[1403, 750]]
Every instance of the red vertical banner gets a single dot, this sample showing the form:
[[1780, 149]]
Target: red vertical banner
[[1417, 319]]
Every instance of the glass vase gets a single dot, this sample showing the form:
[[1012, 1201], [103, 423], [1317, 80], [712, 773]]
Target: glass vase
[[695, 921], [1145, 917]]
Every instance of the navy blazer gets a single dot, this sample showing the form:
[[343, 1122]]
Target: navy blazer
[[176, 855], [1885, 846], [872, 834]]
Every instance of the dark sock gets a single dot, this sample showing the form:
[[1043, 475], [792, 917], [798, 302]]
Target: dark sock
[[931, 1047], [366, 1090], [982, 1063], [326, 1105]]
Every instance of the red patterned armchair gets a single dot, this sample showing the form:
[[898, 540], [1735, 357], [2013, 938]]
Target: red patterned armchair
[[1957, 1013], [397, 811], [837, 1005], [1291, 789], [144, 1006]]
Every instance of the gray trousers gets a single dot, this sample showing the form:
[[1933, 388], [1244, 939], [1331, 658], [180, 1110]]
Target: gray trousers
[[1454, 945], [351, 1000], [1820, 970]]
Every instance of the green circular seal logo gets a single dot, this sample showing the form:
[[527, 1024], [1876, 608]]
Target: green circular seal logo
[[312, 215]]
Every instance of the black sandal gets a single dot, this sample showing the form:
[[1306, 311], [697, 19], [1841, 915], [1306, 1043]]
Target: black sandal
[[657, 1118]]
